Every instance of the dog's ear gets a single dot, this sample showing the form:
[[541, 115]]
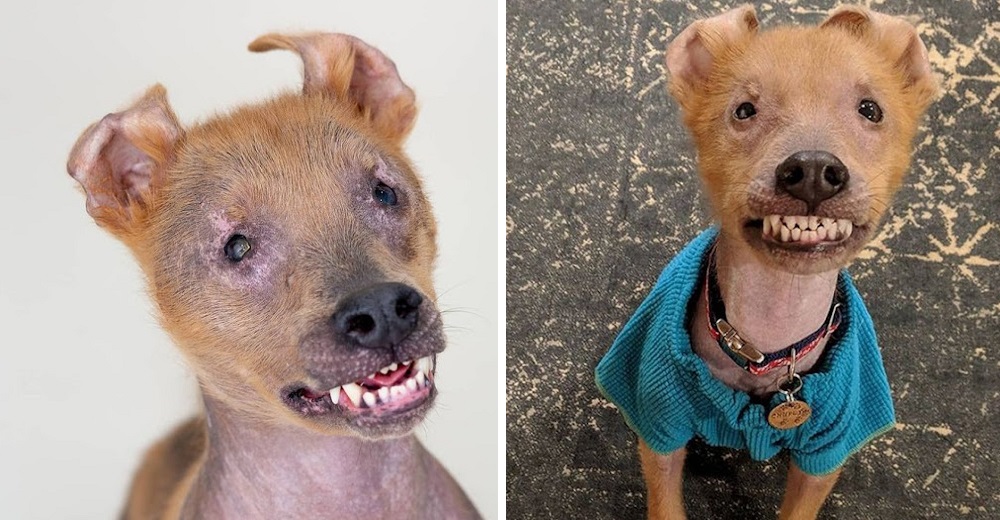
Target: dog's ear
[[693, 53], [119, 160], [896, 38], [348, 69]]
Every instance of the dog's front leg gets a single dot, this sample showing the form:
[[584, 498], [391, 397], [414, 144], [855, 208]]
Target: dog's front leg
[[663, 474], [805, 494]]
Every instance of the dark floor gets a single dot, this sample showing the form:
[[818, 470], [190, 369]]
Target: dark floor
[[601, 192]]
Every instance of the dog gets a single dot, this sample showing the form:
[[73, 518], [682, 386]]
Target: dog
[[753, 338], [289, 248]]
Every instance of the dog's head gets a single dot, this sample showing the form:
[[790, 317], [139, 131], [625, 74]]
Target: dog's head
[[288, 245], [803, 134]]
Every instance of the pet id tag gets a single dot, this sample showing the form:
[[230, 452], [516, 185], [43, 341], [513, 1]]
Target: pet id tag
[[791, 413]]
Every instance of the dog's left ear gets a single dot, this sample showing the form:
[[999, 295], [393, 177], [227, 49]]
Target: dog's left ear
[[896, 38], [348, 69]]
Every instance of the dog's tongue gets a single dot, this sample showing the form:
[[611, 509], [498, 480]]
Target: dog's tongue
[[389, 379]]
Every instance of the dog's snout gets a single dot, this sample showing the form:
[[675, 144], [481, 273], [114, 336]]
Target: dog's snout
[[811, 176], [379, 316]]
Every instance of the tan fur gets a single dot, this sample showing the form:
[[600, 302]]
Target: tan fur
[[290, 166], [805, 83]]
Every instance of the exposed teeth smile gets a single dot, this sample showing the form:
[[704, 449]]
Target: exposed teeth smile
[[395, 383], [806, 229]]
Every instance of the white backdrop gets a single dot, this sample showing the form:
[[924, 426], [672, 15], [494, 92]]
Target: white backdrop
[[87, 380]]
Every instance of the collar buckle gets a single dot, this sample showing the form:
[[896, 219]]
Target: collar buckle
[[736, 343]]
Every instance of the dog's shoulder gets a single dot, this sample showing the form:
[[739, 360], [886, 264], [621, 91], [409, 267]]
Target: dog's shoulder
[[164, 467]]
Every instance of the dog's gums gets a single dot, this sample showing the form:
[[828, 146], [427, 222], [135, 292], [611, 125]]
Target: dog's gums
[[393, 388]]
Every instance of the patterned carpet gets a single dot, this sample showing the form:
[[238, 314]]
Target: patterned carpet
[[601, 192]]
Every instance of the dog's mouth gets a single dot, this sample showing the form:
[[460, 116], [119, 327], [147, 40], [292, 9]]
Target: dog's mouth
[[804, 233], [393, 391]]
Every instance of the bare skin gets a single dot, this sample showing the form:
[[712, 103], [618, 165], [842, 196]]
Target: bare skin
[[254, 470], [769, 307]]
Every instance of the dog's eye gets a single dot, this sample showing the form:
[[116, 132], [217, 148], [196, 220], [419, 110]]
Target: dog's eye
[[870, 110], [746, 110], [237, 248], [385, 194]]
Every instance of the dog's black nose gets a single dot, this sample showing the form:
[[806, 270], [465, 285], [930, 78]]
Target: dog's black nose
[[380, 316], [811, 176]]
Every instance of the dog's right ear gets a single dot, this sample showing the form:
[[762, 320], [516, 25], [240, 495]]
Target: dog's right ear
[[119, 160], [346, 68], [691, 56]]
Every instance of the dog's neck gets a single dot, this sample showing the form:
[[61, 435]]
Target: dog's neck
[[255, 469], [770, 308]]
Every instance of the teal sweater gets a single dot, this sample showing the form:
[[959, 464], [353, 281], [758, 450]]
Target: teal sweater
[[667, 395]]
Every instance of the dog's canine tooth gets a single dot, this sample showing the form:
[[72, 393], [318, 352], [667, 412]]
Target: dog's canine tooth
[[369, 399], [335, 395], [383, 394], [411, 384], [353, 391], [420, 378], [775, 223], [767, 227], [425, 365], [845, 226], [796, 234]]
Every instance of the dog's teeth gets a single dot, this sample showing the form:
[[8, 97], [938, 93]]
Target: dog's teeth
[[393, 367], [767, 227], [420, 378], [831, 232], [827, 222], [398, 391], [411, 384], [384, 370], [369, 399], [786, 234], [813, 222], [821, 233], [846, 227], [353, 391], [383, 394], [796, 234], [809, 236], [775, 223], [425, 365], [335, 395]]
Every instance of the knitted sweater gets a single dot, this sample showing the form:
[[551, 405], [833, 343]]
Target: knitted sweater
[[667, 395]]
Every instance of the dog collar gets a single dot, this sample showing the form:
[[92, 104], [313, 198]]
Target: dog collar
[[739, 349]]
